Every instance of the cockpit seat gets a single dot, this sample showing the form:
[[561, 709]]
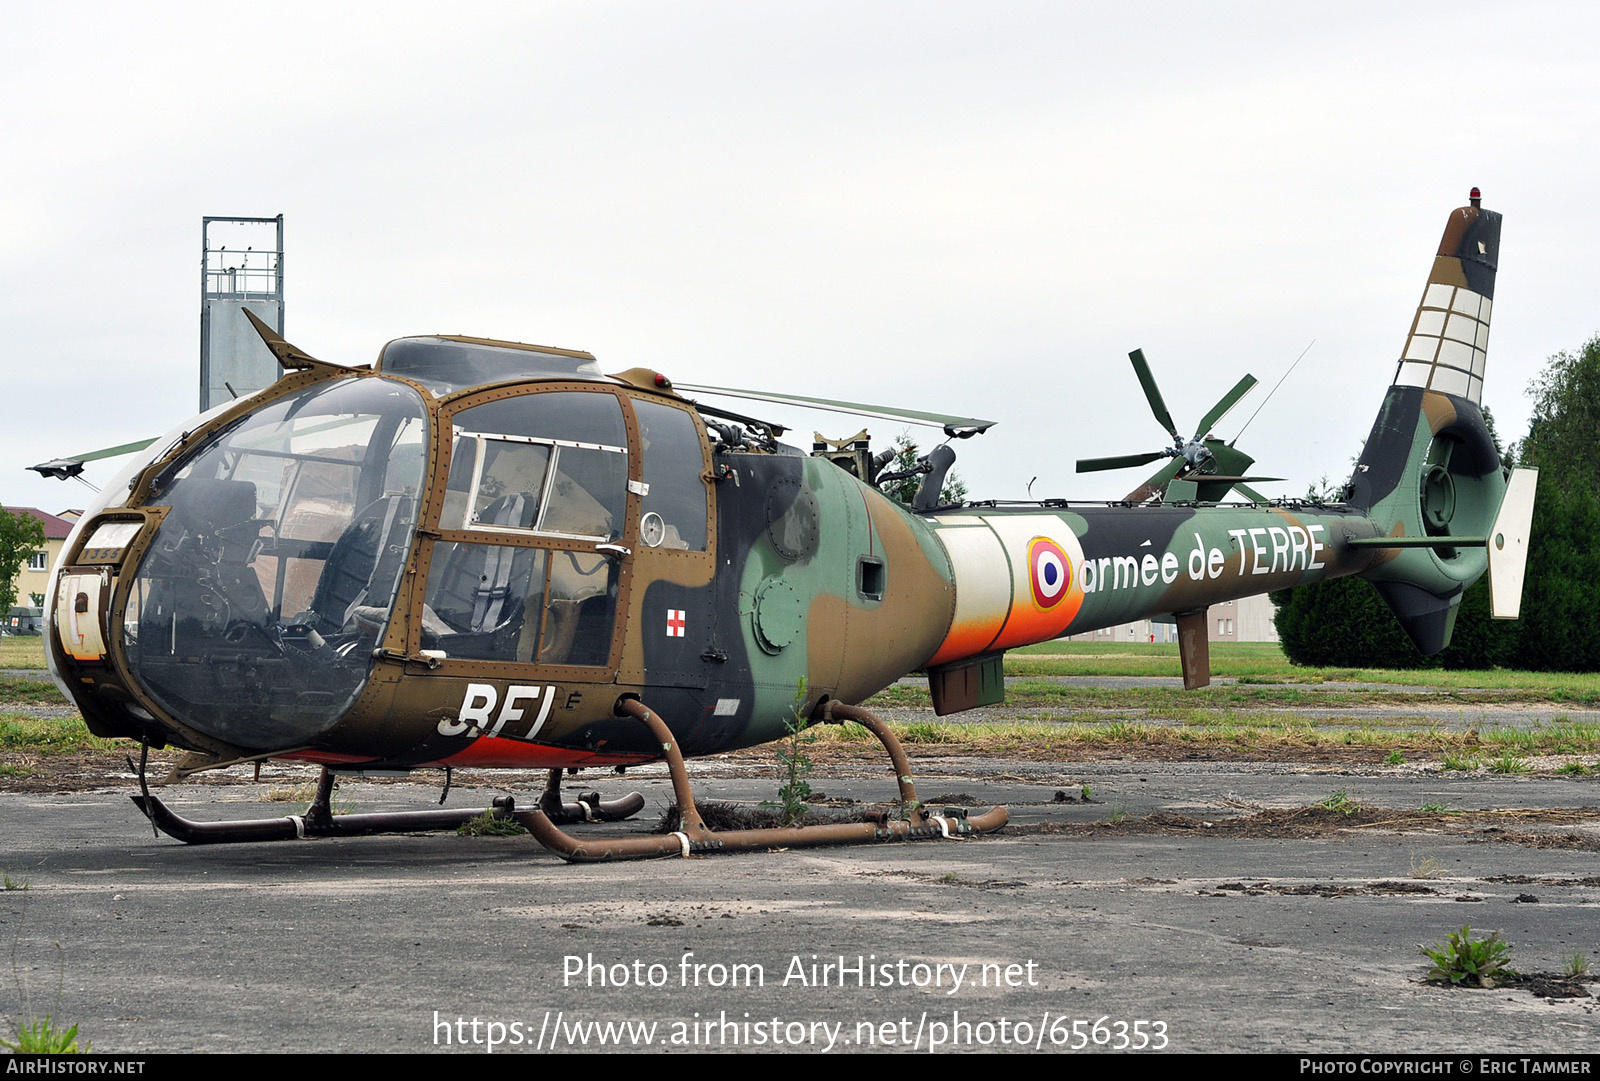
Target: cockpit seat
[[367, 554]]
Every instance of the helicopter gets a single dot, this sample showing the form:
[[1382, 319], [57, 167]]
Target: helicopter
[[480, 553]]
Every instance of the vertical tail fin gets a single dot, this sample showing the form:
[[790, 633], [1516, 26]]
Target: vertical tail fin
[[1430, 468], [1449, 338]]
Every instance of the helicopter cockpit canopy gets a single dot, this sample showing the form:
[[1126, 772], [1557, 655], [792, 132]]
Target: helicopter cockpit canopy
[[267, 554], [258, 604]]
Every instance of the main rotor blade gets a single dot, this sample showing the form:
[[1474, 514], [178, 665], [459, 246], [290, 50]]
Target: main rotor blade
[[112, 452], [1152, 394], [958, 427], [1229, 400], [72, 466], [1121, 461]]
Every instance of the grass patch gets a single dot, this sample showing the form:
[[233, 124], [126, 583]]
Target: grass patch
[[33, 692], [929, 732], [850, 732], [903, 696], [1509, 762], [1052, 732], [22, 651], [305, 793], [40, 736], [489, 824], [1264, 663]]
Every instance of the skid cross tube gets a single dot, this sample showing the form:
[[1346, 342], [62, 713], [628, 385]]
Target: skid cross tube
[[589, 806], [694, 837]]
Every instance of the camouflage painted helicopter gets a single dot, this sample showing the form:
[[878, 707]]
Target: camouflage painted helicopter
[[476, 553]]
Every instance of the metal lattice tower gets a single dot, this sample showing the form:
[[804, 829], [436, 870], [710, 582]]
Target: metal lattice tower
[[241, 265]]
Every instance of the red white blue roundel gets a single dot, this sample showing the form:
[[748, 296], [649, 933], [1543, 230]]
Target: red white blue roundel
[[1049, 570]]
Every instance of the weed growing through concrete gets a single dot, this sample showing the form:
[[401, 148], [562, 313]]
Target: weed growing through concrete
[[37, 1035], [1340, 801], [793, 762], [44, 1038], [1427, 867], [1463, 961]]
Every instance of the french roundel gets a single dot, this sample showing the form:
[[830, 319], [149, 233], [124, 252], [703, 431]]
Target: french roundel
[[1050, 571]]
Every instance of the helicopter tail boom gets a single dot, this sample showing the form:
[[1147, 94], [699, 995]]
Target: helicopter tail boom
[[1428, 496]]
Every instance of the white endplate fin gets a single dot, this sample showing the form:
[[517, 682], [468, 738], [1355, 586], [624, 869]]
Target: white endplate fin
[[1508, 545]]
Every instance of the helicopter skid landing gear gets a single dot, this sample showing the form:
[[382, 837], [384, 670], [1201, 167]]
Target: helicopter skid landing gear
[[694, 837], [320, 821], [589, 808]]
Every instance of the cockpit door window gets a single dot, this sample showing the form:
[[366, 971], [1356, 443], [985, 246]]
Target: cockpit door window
[[673, 461], [532, 560]]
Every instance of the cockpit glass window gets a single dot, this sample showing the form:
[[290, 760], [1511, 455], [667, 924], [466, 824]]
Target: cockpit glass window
[[516, 466], [674, 468], [513, 471], [572, 416], [525, 604], [274, 572]]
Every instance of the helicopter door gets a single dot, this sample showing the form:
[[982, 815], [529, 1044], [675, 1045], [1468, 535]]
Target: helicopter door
[[671, 617], [531, 562]]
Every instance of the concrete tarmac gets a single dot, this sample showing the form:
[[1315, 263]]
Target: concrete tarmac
[[1126, 922]]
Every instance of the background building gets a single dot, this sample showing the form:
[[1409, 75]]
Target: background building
[[1247, 620], [34, 577]]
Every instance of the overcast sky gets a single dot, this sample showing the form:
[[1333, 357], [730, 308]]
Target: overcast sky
[[977, 208]]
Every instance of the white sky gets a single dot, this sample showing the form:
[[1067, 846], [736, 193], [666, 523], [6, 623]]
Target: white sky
[[976, 207]]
